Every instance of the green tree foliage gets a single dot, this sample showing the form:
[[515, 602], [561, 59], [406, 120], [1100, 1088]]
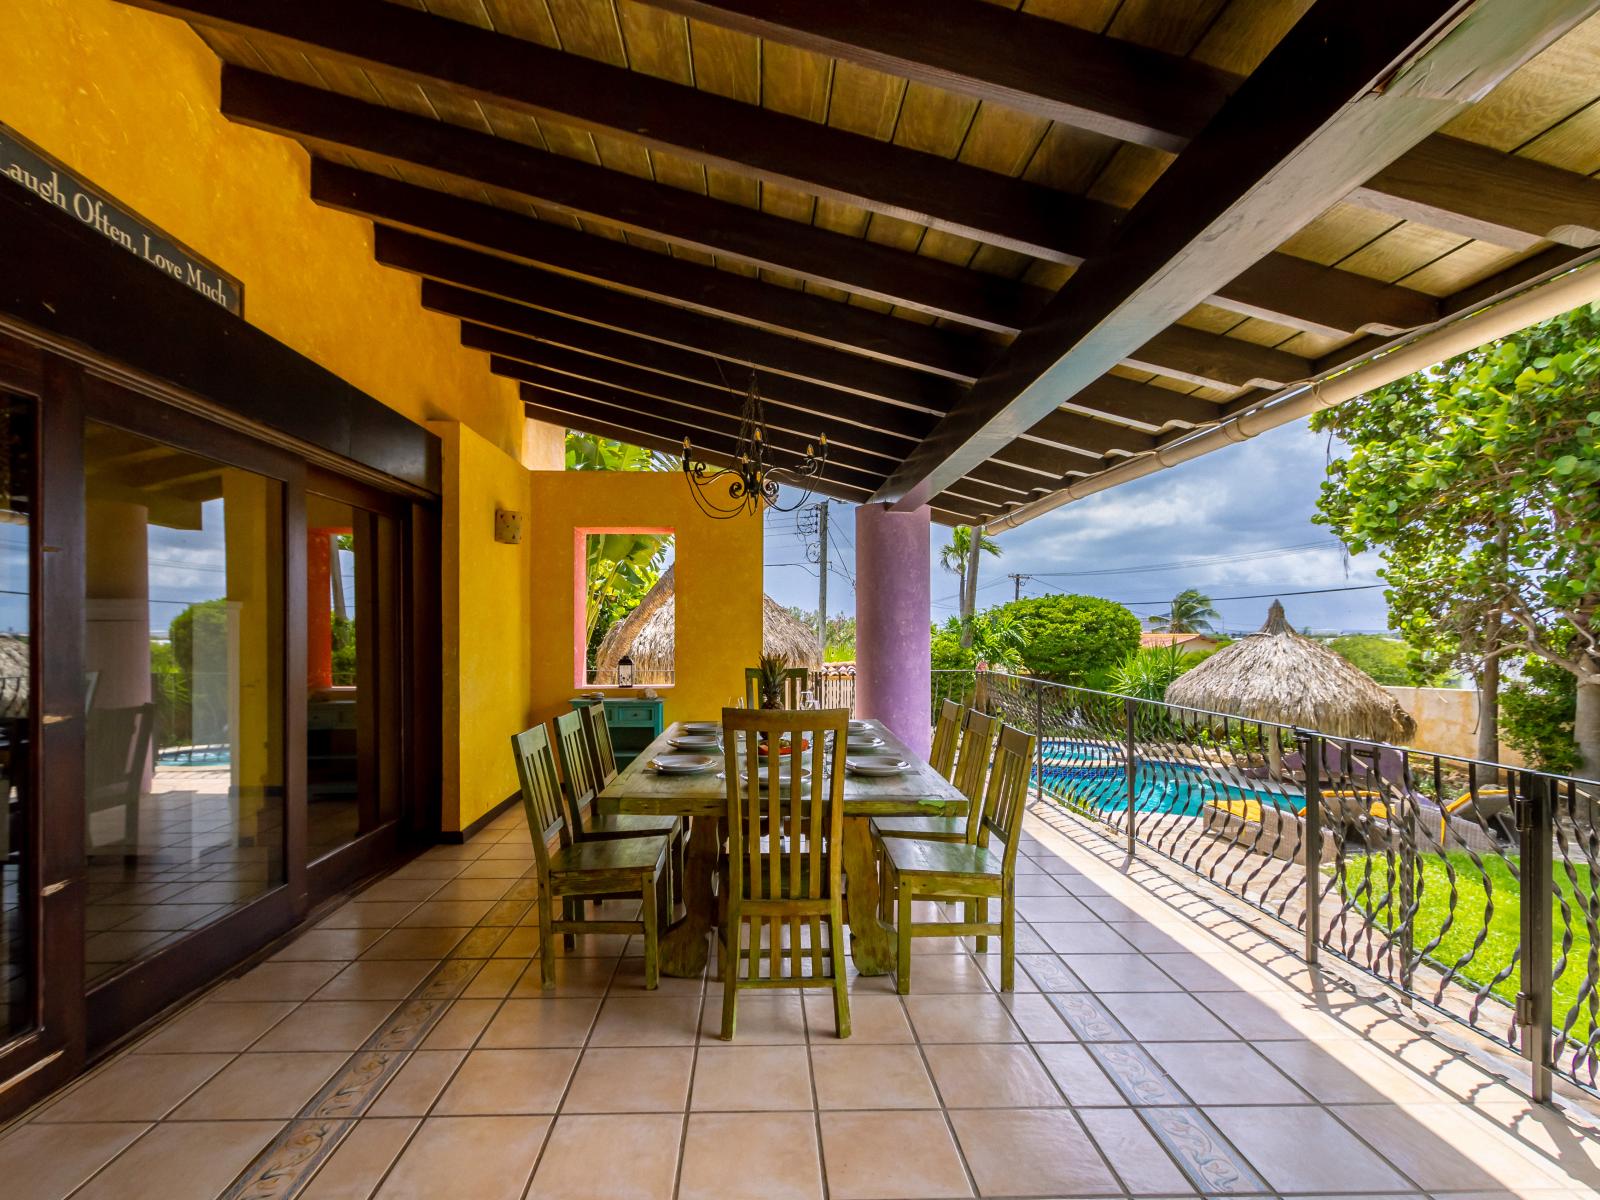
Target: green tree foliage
[[344, 651], [1148, 671], [1388, 660], [997, 641], [1073, 639], [841, 640], [586, 452], [1536, 715], [1479, 480], [204, 624], [620, 568], [1191, 612]]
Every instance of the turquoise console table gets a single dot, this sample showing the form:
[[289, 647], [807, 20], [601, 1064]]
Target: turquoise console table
[[634, 721]]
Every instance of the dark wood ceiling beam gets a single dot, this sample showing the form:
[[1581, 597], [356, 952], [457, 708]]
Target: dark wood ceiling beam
[[1140, 95], [661, 322], [743, 139], [884, 428], [645, 272], [1031, 64], [1280, 288], [1479, 192], [661, 393], [1351, 87], [695, 424], [1141, 405], [332, 123], [1212, 360]]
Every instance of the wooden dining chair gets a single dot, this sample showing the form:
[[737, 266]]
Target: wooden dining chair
[[971, 770], [597, 735], [580, 789], [783, 875], [971, 872], [577, 870], [795, 681], [947, 732]]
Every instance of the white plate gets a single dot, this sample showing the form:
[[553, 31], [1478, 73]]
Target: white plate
[[883, 765], [702, 727], [696, 741], [783, 776], [859, 726], [863, 743], [681, 764]]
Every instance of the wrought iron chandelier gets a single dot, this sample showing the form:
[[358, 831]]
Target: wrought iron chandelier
[[752, 482]]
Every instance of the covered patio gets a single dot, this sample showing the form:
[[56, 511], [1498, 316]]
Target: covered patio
[[1156, 1045]]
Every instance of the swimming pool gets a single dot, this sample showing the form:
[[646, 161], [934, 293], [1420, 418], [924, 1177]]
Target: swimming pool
[[193, 756], [1083, 775]]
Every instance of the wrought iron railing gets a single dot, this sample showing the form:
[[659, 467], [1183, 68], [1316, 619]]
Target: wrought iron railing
[[1468, 886]]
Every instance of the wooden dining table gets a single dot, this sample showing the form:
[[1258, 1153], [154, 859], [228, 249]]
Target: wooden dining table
[[702, 801]]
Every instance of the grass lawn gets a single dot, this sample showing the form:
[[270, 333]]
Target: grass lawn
[[1476, 888]]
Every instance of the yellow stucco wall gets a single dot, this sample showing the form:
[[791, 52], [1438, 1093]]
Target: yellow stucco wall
[[128, 100], [488, 625], [718, 573]]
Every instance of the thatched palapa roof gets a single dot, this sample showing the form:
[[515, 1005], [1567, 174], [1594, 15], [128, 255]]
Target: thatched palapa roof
[[1277, 675], [646, 634]]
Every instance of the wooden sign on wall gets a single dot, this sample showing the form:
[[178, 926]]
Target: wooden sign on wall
[[27, 166]]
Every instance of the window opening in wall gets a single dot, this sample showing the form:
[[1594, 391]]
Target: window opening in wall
[[628, 605]]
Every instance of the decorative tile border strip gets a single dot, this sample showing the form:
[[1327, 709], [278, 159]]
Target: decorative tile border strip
[[1213, 1165], [1088, 1018], [1135, 1073], [290, 1160]]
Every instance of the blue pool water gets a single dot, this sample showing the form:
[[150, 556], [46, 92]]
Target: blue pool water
[[194, 756], [1091, 775]]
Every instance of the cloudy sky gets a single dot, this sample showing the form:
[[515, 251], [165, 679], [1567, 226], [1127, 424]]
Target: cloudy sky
[[1234, 523]]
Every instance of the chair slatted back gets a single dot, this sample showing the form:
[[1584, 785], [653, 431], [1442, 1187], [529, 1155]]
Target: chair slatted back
[[795, 681], [597, 733], [946, 732], [1007, 795], [541, 793], [972, 765], [572, 747], [794, 872]]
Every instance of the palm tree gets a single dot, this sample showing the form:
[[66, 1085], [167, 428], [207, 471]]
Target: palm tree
[[1191, 612], [953, 558]]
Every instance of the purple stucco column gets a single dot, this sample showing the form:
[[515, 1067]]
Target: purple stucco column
[[892, 638]]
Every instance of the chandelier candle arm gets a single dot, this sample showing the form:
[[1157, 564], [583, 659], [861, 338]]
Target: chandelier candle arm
[[753, 481]]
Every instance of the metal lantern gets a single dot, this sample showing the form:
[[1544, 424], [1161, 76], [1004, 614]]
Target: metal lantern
[[625, 672]]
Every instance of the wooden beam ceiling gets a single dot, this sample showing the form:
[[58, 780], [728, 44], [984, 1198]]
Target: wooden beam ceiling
[[616, 310], [644, 272], [1351, 87]]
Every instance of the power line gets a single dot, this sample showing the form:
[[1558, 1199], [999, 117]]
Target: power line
[[1212, 560]]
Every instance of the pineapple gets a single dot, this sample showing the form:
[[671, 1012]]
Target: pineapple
[[772, 668]]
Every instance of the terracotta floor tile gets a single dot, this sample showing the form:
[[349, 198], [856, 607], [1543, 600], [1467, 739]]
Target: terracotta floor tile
[[260, 1086], [574, 977], [1122, 973], [473, 889], [495, 978], [353, 1171], [1059, 907], [372, 979], [368, 914], [508, 1083], [873, 1018], [214, 1028], [961, 1019], [278, 981], [486, 1158], [609, 1158], [924, 1164], [732, 1078], [1078, 1075], [771, 1020], [867, 1076], [1030, 1152], [1170, 1016], [991, 1076], [1072, 938], [445, 913], [417, 1084], [181, 1160], [137, 1087], [327, 1025], [525, 1023], [1133, 1151], [751, 1156], [632, 1079], [416, 943], [1212, 973], [1050, 973], [1224, 1073], [328, 945], [397, 888], [1303, 1149], [39, 1163], [461, 1025], [1037, 1017], [645, 1021], [1443, 1147], [935, 975]]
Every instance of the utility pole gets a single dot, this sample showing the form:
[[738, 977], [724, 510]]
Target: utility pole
[[822, 580], [1016, 586]]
